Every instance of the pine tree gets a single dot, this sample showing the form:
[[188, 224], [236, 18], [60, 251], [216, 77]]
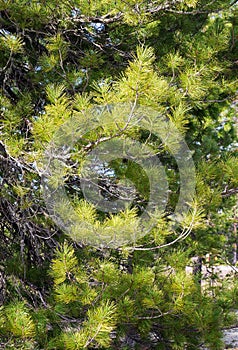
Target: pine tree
[[91, 269]]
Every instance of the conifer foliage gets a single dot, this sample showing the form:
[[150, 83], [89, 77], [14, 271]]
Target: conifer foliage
[[68, 61]]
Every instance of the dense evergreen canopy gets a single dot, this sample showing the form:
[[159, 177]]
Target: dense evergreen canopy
[[119, 71]]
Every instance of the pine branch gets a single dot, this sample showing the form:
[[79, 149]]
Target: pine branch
[[169, 6], [106, 19], [183, 235]]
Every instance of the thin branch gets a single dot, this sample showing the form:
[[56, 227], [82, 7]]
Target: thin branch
[[155, 317], [229, 192], [183, 235], [193, 13]]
